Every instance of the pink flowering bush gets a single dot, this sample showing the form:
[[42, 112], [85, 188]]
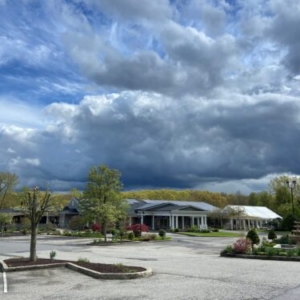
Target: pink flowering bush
[[96, 227], [242, 246], [138, 227]]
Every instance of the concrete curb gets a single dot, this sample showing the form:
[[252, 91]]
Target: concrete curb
[[262, 257], [97, 275], [79, 269]]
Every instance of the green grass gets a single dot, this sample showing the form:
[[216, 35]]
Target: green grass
[[213, 234]]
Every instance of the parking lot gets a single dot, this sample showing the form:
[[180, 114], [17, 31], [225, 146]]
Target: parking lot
[[185, 268]]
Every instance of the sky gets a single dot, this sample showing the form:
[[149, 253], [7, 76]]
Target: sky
[[179, 94]]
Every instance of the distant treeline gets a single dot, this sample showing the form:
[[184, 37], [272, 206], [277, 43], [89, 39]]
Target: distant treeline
[[213, 198]]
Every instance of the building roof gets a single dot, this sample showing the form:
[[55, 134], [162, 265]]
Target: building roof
[[168, 205], [259, 212]]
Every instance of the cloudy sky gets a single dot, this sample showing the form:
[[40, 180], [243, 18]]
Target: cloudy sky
[[200, 94]]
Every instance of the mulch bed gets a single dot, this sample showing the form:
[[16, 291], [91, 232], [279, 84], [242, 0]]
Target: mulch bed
[[102, 268]]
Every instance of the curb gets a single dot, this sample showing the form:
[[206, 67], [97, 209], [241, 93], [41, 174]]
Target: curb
[[262, 257], [143, 274], [98, 275]]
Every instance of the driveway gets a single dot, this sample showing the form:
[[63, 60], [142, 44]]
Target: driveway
[[185, 268]]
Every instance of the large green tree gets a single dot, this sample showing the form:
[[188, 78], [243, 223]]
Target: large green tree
[[284, 198], [8, 182], [103, 202]]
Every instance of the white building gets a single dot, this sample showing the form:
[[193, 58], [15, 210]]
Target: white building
[[243, 217], [169, 214]]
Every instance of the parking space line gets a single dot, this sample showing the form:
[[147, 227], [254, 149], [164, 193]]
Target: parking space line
[[4, 282]]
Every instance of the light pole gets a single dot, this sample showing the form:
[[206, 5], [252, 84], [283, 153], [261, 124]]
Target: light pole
[[291, 185]]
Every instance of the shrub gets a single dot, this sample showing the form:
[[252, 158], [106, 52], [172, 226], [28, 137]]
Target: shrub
[[52, 254], [96, 227], [268, 244], [131, 236], [285, 239], [67, 233], [49, 226], [297, 251], [176, 230], [193, 228], [138, 227], [204, 231], [288, 223], [253, 236], [76, 223], [272, 235], [83, 259], [227, 250], [271, 251], [162, 233], [242, 246], [291, 252], [137, 233], [122, 234]]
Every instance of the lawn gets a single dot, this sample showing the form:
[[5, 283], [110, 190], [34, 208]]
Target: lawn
[[213, 234]]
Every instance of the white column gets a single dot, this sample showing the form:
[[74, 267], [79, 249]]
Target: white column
[[130, 221], [182, 223], [170, 221], [142, 219], [153, 220], [244, 224], [231, 224], [205, 220], [193, 221], [177, 225], [198, 222]]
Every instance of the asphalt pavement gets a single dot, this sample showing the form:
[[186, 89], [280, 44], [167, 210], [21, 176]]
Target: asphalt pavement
[[185, 268]]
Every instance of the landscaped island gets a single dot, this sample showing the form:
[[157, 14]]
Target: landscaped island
[[283, 248]]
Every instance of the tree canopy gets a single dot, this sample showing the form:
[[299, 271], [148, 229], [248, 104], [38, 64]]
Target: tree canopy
[[8, 182], [103, 202]]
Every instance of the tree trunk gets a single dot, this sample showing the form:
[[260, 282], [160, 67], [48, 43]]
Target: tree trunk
[[33, 243], [105, 231]]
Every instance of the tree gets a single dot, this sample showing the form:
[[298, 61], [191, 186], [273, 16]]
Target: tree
[[4, 220], [75, 193], [253, 236], [8, 181], [272, 235], [35, 203], [103, 202]]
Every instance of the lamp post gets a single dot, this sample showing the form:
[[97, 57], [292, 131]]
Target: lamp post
[[291, 185]]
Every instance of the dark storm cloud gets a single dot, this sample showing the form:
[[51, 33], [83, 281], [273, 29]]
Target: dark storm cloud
[[150, 137]]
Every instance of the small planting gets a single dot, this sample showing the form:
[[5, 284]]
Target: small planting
[[242, 246], [162, 233], [272, 235], [83, 259], [271, 252], [227, 250], [52, 254], [291, 252], [131, 236], [253, 236]]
